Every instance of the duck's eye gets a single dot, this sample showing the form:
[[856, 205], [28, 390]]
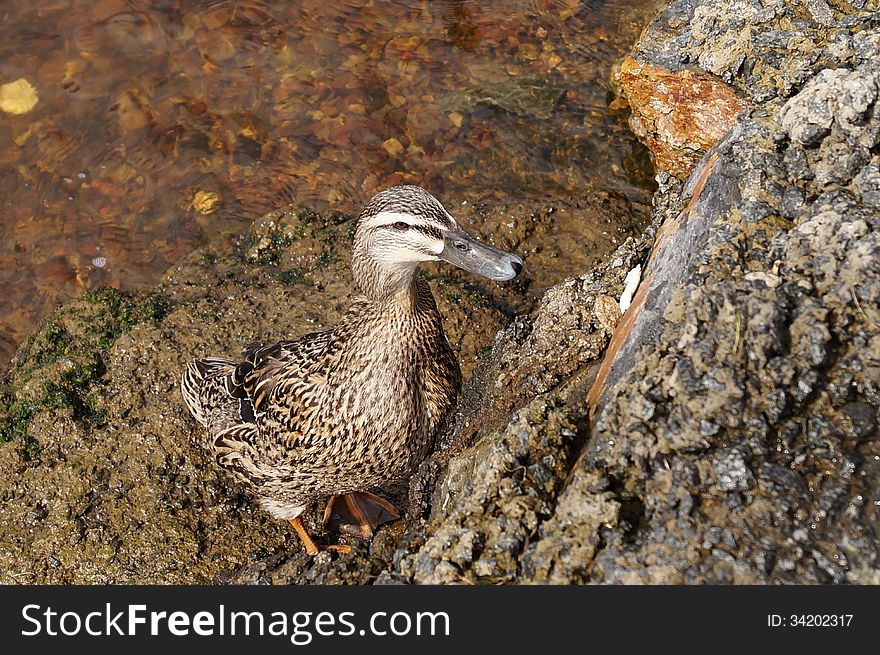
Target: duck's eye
[[401, 225]]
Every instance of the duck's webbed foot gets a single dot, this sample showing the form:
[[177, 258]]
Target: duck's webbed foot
[[311, 547], [358, 514]]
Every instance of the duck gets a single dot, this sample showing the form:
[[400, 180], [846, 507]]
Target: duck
[[351, 408]]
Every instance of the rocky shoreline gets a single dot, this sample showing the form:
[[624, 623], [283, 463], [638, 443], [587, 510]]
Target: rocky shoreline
[[724, 430]]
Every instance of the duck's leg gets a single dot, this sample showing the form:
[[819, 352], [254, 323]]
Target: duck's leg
[[359, 513], [311, 547]]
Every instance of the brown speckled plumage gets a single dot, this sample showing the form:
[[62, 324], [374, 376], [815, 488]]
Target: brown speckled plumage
[[358, 405]]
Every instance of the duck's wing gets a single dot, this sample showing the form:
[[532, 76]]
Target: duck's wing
[[268, 365]]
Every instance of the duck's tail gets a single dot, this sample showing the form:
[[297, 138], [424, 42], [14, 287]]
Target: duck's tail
[[199, 379], [215, 399]]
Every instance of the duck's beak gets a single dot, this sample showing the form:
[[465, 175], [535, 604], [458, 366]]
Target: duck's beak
[[462, 250]]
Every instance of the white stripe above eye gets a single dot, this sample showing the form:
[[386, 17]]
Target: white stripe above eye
[[389, 218]]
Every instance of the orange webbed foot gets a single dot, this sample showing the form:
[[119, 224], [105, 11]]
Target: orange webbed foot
[[311, 547], [359, 514]]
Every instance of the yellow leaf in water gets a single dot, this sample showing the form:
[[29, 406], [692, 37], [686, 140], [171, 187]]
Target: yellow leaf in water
[[22, 138], [393, 146], [618, 103], [205, 202], [456, 118], [18, 97], [218, 49]]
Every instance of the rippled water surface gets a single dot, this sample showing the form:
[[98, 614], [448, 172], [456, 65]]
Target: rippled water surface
[[132, 131]]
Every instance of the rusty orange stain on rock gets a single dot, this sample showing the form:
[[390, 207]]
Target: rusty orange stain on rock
[[627, 321], [618, 338], [678, 114]]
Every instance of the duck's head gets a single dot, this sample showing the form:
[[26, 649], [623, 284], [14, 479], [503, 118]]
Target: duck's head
[[403, 226]]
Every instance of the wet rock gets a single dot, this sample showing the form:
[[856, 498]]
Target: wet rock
[[534, 97], [859, 420], [495, 495], [568, 330], [570, 539]]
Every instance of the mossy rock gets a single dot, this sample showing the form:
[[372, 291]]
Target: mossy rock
[[60, 366]]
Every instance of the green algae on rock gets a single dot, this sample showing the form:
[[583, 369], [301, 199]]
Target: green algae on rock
[[59, 366]]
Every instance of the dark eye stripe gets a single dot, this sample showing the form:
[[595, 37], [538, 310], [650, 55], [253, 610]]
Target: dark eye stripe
[[427, 230], [442, 218]]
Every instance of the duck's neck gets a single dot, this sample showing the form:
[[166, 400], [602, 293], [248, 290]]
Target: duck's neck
[[388, 284]]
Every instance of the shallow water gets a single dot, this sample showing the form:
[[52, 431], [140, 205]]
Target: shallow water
[[158, 125]]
